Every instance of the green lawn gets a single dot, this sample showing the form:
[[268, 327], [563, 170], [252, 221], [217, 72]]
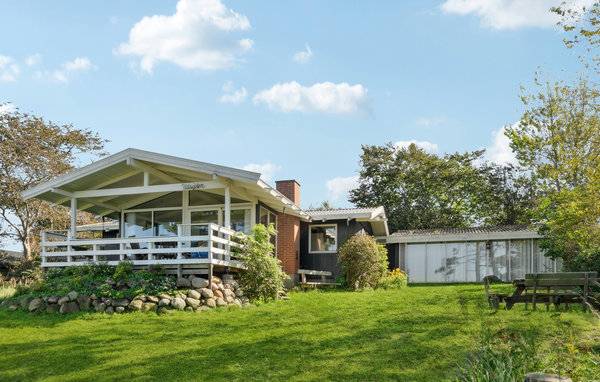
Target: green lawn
[[418, 333]]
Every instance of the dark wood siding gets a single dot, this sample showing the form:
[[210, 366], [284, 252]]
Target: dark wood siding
[[328, 261]]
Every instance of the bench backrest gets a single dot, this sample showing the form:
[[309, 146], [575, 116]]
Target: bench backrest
[[559, 279]]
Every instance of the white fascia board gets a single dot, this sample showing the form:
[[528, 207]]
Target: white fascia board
[[148, 189], [147, 156], [283, 199], [463, 237]]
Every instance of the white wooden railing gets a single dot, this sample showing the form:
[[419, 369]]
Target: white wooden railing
[[204, 243]]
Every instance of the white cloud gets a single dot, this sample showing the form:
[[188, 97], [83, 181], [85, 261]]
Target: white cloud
[[325, 97], [33, 60], [233, 96], [340, 187], [430, 122], [427, 146], [266, 169], [9, 69], [197, 36], [304, 56], [500, 151], [511, 14], [7, 107], [68, 70]]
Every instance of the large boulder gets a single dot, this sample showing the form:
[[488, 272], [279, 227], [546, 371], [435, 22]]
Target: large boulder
[[63, 300], [183, 283], [110, 281], [36, 304], [221, 302], [53, 300], [69, 307], [194, 303], [84, 302], [199, 282], [72, 295], [178, 303], [24, 302], [164, 302], [228, 299], [152, 299], [207, 293], [52, 308], [149, 307], [194, 294], [211, 303], [239, 293], [120, 309], [13, 307], [136, 305], [100, 307], [109, 310], [120, 303], [218, 293], [543, 377], [237, 302]]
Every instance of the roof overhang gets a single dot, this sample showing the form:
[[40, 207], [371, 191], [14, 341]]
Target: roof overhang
[[375, 216], [121, 180], [436, 238]]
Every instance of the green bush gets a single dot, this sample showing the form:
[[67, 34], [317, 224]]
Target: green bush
[[364, 262], [263, 278], [123, 270]]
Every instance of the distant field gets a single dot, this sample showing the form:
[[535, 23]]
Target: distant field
[[419, 333]]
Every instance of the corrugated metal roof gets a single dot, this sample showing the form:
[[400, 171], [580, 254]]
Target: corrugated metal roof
[[465, 230]]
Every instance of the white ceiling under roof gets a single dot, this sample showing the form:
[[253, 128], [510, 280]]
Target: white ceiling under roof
[[126, 169]]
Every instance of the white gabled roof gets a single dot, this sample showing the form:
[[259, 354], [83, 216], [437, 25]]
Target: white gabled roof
[[119, 170], [130, 153]]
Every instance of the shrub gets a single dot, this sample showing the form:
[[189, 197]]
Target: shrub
[[394, 279], [364, 262], [263, 278], [123, 270]]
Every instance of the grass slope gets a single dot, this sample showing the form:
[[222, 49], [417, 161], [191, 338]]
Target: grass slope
[[415, 334]]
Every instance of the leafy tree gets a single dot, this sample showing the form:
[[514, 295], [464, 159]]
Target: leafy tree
[[507, 196], [324, 206], [582, 25], [364, 262], [418, 189], [263, 278], [33, 151], [557, 142]]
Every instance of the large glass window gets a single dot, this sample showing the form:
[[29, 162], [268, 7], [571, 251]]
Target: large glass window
[[138, 224], [197, 217], [266, 217], [456, 262], [240, 220], [323, 238], [520, 258], [499, 261], [436, 263], [166, 222], [415, 262]]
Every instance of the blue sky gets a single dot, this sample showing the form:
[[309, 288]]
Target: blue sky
[[292, 88]]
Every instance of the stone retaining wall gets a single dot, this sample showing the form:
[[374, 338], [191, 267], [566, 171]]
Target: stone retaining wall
[[200, 297]]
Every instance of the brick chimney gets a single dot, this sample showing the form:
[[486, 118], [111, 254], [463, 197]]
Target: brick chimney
[[290, 189]]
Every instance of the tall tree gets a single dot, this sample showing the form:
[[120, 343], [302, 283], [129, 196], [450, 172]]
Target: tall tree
[[558, 142], [32, 151], [419, 189]]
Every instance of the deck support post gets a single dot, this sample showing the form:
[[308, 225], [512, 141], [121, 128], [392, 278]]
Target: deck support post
[[210, 275], [73, 218], [227, 219], [179, 271]]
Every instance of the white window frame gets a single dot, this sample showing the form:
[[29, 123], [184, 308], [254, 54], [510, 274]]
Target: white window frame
[[310, 237]]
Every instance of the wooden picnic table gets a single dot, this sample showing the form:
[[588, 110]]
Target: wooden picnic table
[[552, 288], [313, 284]]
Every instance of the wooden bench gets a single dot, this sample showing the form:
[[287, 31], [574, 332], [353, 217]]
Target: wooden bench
[[313, 284], [555, 288]]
